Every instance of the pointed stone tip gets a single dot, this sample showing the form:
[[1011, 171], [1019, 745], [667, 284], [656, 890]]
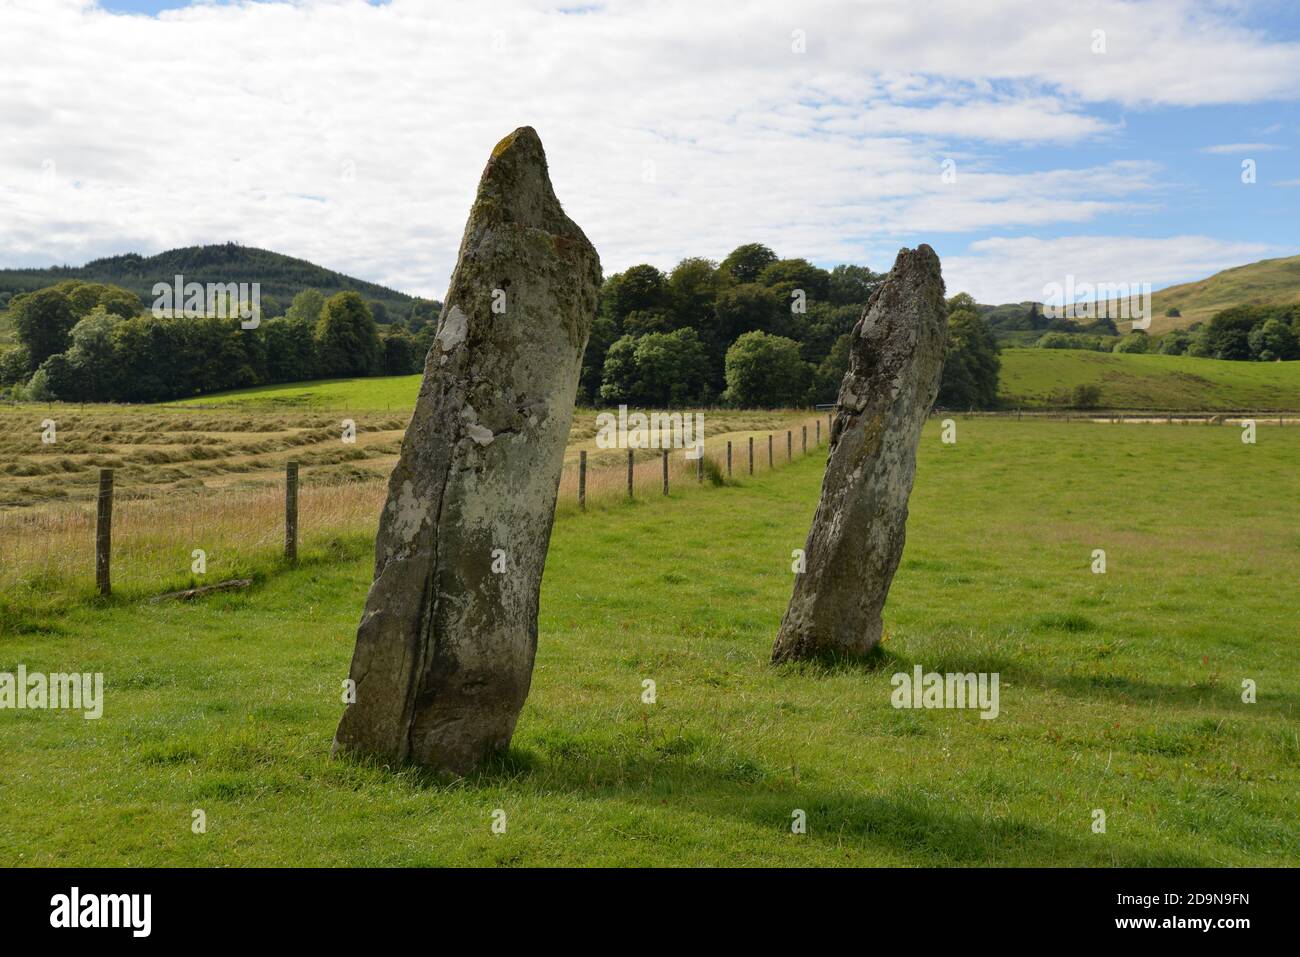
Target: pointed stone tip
[[516, 173], [523, 138], [516, 186]]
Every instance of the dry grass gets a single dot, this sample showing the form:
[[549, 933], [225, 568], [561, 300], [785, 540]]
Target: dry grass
[[51, 550], [215, 482], [159, 454]]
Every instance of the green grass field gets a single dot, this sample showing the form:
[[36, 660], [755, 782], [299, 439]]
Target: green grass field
[[1031, 377], [1119, 692], [378, 393]]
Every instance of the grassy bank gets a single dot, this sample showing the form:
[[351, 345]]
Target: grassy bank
[[1037, 378]]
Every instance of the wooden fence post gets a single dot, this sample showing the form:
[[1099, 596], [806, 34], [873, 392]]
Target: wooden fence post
[[728, 458], [789, 445], [751, 455], [629, 474], [771, 462], [291, 511], [819, 432], [582, 480], [805, 440], [665, 471], [699, 465], [104, 532]]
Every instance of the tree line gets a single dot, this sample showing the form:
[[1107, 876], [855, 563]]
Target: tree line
[[1239, 333], [752, 331], [1248, 333], [94, 342]]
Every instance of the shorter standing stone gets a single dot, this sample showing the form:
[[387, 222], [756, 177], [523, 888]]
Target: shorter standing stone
[[853, 549]]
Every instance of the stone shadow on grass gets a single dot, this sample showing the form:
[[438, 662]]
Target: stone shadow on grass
[[829, 664], [887, 660], [706, 779], [912, 825], [1131, 690]]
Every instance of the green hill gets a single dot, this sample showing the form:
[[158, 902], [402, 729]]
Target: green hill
[[1268, 282], [1035, 377], [280, 276]]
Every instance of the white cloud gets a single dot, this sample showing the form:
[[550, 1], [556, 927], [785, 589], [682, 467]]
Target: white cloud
[[1229, 148], [353, 135], [1018, 269]]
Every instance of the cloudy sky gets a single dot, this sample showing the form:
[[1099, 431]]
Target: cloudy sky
[[1026, 140]]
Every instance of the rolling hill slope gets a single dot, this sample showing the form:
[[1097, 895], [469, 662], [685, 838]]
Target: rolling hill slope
[[280, 276], [1265, 283], [1268, 282]]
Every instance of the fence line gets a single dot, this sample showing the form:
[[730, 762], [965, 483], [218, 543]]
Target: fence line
[[104, 533], [159, 523], [291, 511], [103, 538]]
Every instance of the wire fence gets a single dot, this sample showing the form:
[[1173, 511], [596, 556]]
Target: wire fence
[[146, 545]]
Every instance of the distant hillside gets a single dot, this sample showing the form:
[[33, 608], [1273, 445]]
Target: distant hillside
[[280, 276], [997, 315], [1265, 283]]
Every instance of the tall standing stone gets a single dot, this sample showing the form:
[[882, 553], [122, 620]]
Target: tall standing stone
[[445, 648], [895, 361]]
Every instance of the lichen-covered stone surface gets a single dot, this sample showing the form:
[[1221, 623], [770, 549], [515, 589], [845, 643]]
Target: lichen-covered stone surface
[[856, 541], [445, 648]]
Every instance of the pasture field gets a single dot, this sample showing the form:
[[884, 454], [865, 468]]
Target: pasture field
[[1032, 377], [1120, 692], [388, 393], [214, 479], [165, 451]]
